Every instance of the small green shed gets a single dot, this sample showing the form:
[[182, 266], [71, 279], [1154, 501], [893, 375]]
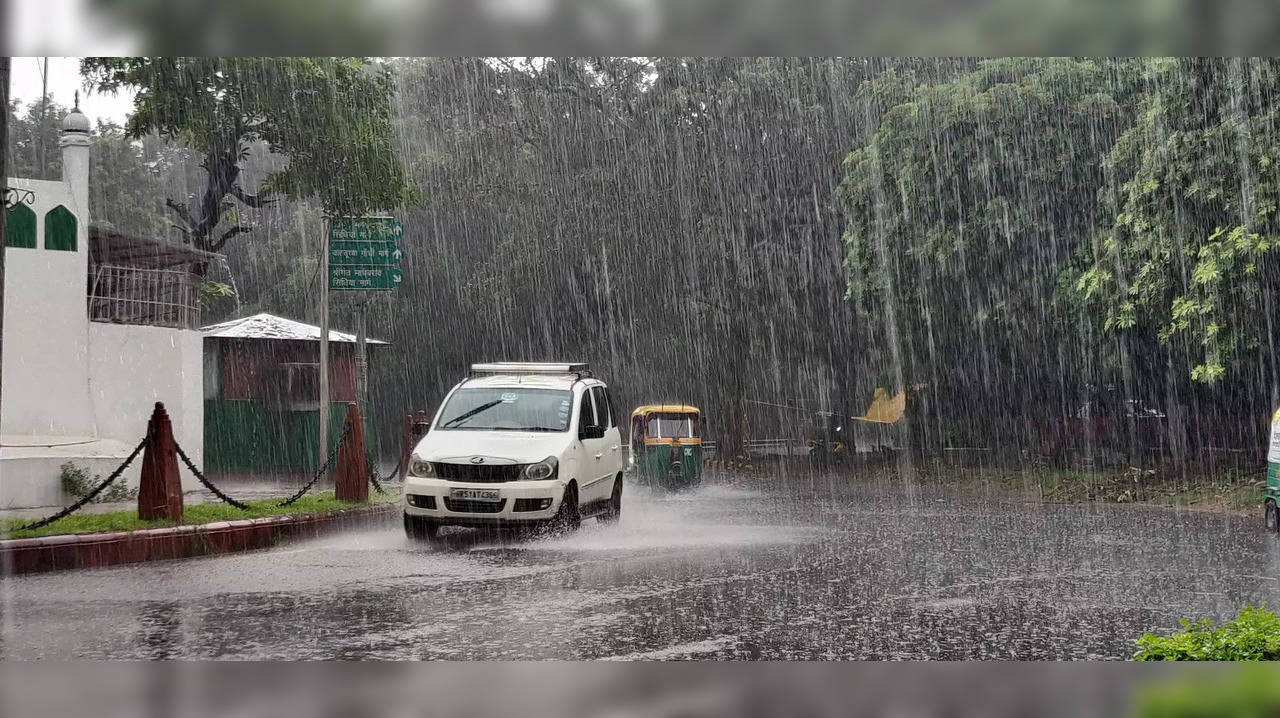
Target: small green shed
[[262, 393]]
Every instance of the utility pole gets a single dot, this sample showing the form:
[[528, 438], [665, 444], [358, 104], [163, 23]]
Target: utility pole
[[44, 110], [324, 341], [4, 178]]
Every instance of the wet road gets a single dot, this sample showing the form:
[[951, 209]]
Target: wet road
[[798, 568]]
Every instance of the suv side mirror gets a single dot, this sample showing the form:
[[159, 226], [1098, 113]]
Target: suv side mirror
[[591, 432]]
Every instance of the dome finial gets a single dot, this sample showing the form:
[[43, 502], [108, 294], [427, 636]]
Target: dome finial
[[75, 121]]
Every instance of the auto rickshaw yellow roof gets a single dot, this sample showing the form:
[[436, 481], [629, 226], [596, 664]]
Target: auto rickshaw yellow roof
[[665, 409]]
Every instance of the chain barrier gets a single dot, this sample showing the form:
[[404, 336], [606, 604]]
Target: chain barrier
[[89, 496], [324, 468], [207, 483], [373, 474]]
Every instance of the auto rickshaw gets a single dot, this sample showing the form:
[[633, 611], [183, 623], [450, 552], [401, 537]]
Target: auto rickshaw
[[666, 446], [1272, 494]]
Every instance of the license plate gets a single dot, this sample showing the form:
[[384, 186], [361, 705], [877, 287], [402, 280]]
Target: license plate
[[475, 494]]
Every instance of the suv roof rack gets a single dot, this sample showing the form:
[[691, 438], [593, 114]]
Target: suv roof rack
[[579, 369]]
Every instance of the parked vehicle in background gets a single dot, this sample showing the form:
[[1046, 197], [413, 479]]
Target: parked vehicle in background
[[666, 445], [1096, 433], [517, 444]]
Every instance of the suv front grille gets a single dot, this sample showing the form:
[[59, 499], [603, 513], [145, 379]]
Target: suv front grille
[[478, 473], [468, 506]]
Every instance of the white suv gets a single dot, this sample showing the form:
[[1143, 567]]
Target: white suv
[[517, 444]]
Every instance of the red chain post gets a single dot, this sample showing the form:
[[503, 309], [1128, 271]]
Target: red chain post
[[406, 445], [351, 479], [159, 489]]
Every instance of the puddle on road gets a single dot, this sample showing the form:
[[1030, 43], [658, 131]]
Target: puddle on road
[[656, 522], [694, 649]]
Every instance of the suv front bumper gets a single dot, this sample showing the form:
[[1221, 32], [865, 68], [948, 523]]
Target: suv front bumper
[[462, 512]]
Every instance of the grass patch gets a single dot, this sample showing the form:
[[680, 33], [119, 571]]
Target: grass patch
[[1219, 490], [192, 514], [1247, 497]]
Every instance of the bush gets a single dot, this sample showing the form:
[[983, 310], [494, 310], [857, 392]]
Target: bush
[[1246, 691], [77, 484], [1254, 635]]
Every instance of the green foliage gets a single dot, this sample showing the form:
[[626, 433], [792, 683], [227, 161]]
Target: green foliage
[[74, 480], [77, 484], [212, 292], [1243, 692], [967, 201], [1041, 229], [1190, 205], [330, 117], [1254, 635]]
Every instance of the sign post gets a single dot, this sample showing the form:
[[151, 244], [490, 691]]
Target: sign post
[[324, 361], [362, 255]]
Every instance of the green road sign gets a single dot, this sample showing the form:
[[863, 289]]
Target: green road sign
[[354, 278], [349, 252], [364, 229]]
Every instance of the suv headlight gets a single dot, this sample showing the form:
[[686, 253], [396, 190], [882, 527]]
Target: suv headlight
[[421, 469], [541, 471]]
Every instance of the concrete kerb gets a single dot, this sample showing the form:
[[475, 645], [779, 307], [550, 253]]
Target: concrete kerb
[[95, 550]]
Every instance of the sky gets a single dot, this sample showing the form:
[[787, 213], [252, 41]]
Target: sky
[[64, 80]]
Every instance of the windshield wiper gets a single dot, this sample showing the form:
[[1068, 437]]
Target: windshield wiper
[[469, 414]]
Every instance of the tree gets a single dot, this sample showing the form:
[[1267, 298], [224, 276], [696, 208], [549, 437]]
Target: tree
[[128, 179], [645, 214], [330, 118], [1186, 253], [962, 209], [28, 131]]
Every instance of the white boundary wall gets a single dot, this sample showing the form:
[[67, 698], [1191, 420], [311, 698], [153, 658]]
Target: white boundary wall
[[131, 368]]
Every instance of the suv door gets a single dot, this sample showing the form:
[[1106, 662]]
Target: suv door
[[593, 451], [613, 434]]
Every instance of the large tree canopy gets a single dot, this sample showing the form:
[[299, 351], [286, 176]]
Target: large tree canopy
[[330, 118], [961, 211], [1040, 229], [1184, 252]]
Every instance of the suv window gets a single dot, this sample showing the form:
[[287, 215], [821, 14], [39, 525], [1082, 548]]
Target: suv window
[[586, 415], [604, 408]]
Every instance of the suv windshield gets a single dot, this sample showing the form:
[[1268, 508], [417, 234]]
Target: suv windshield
[[507, 408]]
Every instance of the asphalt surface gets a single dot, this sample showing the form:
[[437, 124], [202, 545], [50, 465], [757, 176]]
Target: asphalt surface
[[794, 567]]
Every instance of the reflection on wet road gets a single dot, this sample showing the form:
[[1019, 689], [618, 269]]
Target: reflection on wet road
[[780, 569]]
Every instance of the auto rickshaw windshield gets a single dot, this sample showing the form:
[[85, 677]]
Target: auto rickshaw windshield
[[672, 426]]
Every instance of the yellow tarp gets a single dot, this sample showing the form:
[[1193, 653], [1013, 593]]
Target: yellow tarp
[[883, 409]]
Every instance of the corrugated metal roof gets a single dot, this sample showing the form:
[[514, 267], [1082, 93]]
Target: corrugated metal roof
[[269, 326], [109, 246]]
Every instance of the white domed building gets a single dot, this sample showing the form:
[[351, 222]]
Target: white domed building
[[98, 326]]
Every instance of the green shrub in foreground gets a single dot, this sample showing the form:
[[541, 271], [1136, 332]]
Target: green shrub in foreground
[[1241, 692], [1254, 635]]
